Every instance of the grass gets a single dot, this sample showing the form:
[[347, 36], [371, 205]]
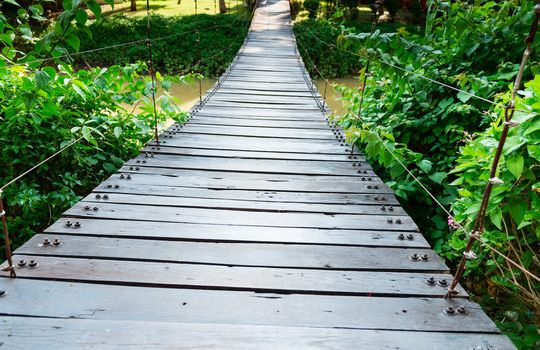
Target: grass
[[172, 8]]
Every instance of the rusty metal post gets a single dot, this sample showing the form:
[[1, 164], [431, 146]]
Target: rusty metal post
[[10, 268]]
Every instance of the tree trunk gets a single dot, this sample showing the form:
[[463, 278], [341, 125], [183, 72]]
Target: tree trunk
[[133, 6], [222, 6]]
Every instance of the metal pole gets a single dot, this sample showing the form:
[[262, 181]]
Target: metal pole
[[9, 258]]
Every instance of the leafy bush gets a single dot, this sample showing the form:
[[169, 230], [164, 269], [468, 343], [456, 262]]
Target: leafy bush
[[331, 63], [220, 38], [446, 139], [312, 7], [45, 108]]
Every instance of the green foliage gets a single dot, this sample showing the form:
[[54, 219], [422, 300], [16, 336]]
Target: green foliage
[[446, 138], [332, 63], [44, 108], [312, 7], [220, 38], [296, 7]]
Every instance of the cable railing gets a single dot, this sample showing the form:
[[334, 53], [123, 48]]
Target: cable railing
[[476, 234]]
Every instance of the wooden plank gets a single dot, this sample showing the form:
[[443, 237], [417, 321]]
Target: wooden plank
[[237, 254], [67, 334], [217, 151], [248, 218], [268, 106], [256, 144], [260, 280], [248, 181], [103, 302], [314, 115], [343, 199], [148, 198], [301, 167], [260, 132], [234, 233]]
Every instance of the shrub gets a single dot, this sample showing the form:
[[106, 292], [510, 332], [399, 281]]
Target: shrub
[[312, 7], [296, 7], [180, 51]]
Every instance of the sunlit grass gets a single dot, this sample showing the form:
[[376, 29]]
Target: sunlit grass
[[173, 8]]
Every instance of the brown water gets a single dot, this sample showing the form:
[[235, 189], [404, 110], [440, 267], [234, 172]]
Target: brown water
[[188, 94]]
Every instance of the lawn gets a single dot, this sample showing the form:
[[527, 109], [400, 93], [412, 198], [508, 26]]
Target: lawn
[[173, 8]]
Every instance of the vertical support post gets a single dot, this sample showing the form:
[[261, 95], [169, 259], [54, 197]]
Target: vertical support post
[[10, 268], [151, 70]]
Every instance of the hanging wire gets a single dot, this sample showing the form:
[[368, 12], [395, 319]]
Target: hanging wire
[[7, 245], [392, 153], [151, 70]]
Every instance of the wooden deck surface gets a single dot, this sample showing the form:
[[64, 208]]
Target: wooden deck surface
[[248, 228]]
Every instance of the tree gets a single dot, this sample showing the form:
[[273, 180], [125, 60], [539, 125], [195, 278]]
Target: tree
[[133, 6], [222, 6]]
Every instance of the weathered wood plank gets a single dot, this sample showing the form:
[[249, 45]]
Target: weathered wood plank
[[350, 199], [102, 302], [235, 233], [261, 280], [237, 254], [253, 205], [67, 334], [217, 151]]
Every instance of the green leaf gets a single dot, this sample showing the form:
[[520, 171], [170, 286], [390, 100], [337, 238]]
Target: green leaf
[[94, 7], [73, 41], [12, 2], [438, 177], [515, 165], [464, 97], [534, 151], [81, 17], [42, 79], [517, 208], [117, 132], [425, 165], [496, 217]]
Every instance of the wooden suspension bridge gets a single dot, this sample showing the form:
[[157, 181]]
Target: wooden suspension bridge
[[251, 227]]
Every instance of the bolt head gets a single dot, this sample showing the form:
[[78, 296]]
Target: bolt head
[[2, 293], [117, 186], [98, 196], [461, 310], [431, 281], [68, 223], [401, 236], [46, 241], [449, 310], [77, 224], [32, 264], [57, 241], [22, 263], [410, 237], [442, 283], [398, 221], [425, 257], [415, 257]]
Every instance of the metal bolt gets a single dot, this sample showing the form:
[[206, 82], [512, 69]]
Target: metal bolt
[[414, 257], [105, 196], [391, 208], [401, 236], [138, 161], [369, 186], [109, 186], [376, 198], [369, 179], [2, 293], [98, 196], [449, 310], [389, 221], [137, 168], [144, 161], [398, 221], [383, 208], [32, 264], [128, 177], [425, 257], [68, 223], [383, 198], [130, 168], [95, 208], [461, 310], [57, 242], [86, 207], [376, 187], [410, 237], [363, 178], [442, 282], [77, 224], [22, 263], [122, 176], [117, 186], [46, 241]]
